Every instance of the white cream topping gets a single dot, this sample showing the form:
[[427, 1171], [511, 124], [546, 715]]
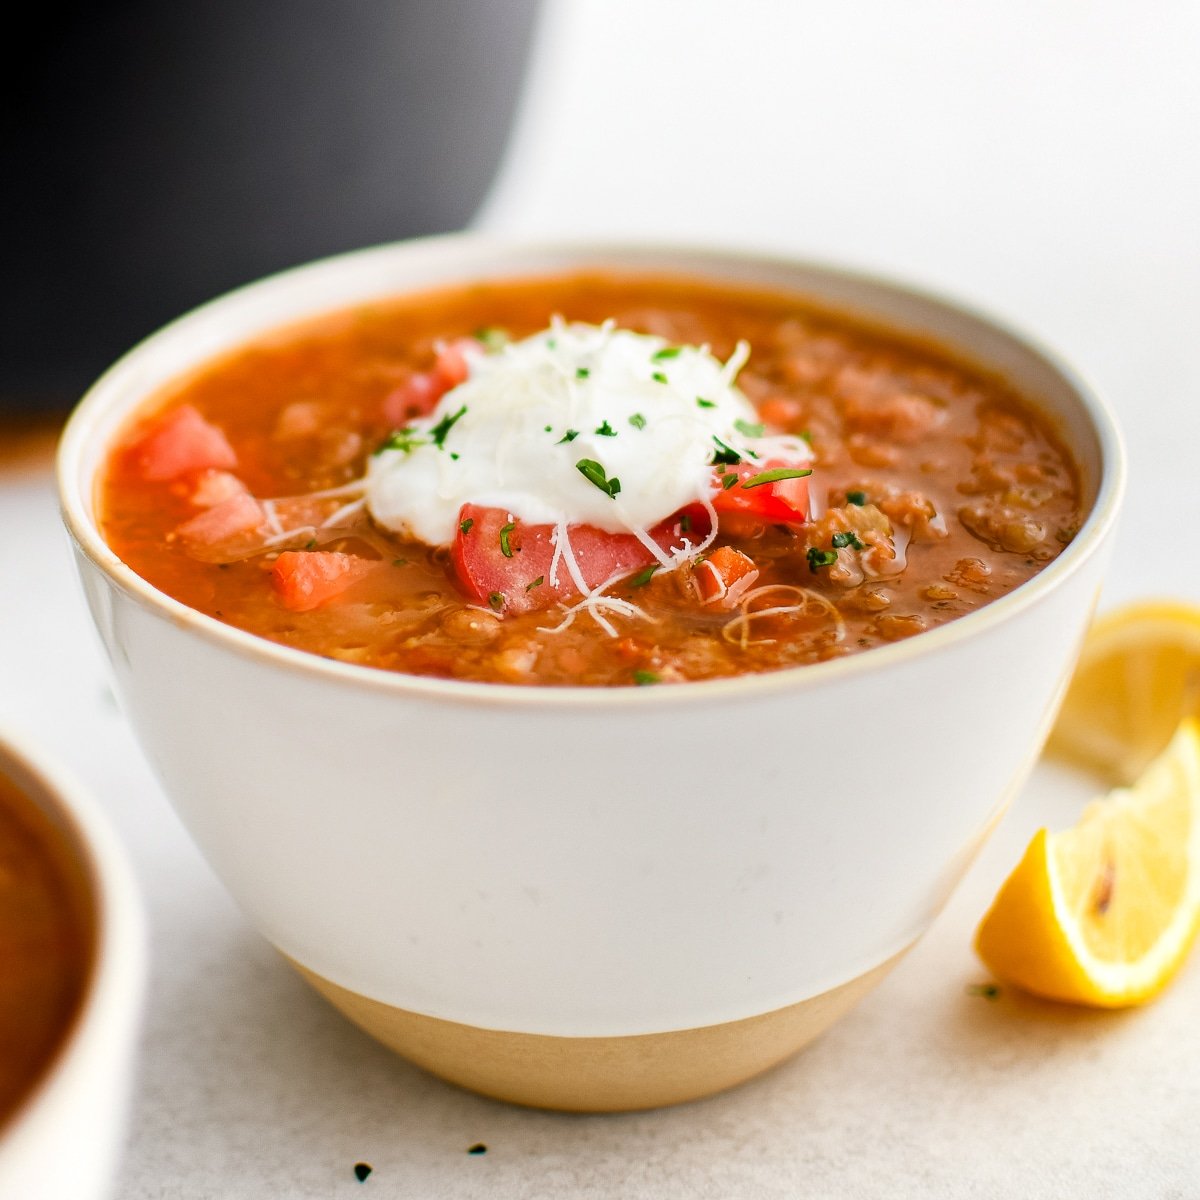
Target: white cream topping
[[500, 438]]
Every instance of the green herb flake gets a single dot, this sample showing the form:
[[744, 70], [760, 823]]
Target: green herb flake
[[582, 372], [702, 403], [453, 456], [401, 439], [659, 377], [536, 583], [547, 428], [857, 498], [361, 1171], [492, 338], [746, 429], [465, 526], [442, 428], [496, 600], [849, 538], [776, 476], [604, 429], [666, 353], [311, 544], [505, 530], [399, 562], [727, 481], [569, 436], [638, 421], [818, 558], [989, 991], [644, 576], [593, 472], [806, 435], [646, 678], [724, 454], [685, 523]]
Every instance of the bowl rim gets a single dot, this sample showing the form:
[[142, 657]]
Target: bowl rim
[[84, 530], [113, 986]]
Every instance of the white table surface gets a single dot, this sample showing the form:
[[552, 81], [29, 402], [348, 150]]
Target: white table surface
[[1039, 159]]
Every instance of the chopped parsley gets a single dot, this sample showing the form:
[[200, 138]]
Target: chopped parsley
[[604, 429], [989, 991], [547, 428], [665, 353], [593, 472], [775, 476], [535, 583], [646, 678], [442, 428], [685, 523], [746, 429], [638, 421], [401, 439], [311, 544], [569, 436], [725, 454], [582, 372], [659, 377], [818, 558], [849, 538], [492, 338], [727, 481], [858, 498], [505, 530], [496, 600], [644, 576], [465, 526], [399, 562], [702, 403], [806, 435]]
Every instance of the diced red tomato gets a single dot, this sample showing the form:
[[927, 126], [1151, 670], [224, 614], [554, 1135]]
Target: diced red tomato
[[520, 581], [179, 442], [784, 502], [306, 579], [724, 577], [451, 366], [238, 514], [419, 394]]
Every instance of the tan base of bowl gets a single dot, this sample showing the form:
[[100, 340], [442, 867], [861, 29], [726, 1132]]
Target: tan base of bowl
[[599, 1074]]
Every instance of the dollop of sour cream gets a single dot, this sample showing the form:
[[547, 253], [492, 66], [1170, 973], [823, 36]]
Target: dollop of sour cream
[[578, 424]]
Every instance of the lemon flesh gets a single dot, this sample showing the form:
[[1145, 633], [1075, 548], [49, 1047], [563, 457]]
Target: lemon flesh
[[1103, 913]]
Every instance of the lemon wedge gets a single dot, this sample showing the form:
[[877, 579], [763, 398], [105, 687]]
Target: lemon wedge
[[1138, 677], [1103, 913]]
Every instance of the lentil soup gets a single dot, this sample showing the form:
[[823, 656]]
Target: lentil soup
[[46, 942], [467, 484]]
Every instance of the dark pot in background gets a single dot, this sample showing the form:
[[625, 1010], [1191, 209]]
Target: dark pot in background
[[155, 155]]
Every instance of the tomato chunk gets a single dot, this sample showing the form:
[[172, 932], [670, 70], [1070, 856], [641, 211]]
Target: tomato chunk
[[785, 501], [306, 579], [521, 579], [239, 513], [180, 442], [419, 394], [724, 577]]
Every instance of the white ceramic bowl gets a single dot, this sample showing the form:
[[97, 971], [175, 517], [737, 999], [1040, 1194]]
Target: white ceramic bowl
[[63, 1142], [591, 898]]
